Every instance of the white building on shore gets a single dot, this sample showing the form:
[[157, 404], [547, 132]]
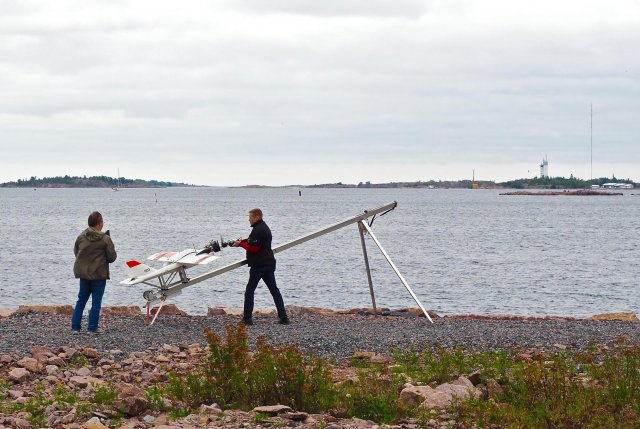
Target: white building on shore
[[544, 168]]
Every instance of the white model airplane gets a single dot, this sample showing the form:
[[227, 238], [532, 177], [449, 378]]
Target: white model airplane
[[176, 263], [171, 274]]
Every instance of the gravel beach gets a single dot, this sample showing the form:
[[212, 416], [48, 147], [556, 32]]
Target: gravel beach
[[336, 335]]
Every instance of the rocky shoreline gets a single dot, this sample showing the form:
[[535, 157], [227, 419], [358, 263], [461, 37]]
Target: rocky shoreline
[[314, 330], [37, 348]]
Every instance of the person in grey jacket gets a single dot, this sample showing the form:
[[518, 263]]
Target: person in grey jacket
[[94, 251]]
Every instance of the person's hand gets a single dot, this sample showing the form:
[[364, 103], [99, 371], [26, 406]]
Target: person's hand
[[237, 242]]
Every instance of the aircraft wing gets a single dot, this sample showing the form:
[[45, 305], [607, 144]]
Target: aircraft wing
[[187, 257], [147, 273]]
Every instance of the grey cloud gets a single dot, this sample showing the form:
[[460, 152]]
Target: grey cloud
[[375, 8]]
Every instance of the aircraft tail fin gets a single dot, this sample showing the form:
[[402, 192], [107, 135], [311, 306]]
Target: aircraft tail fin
[[137, 269]]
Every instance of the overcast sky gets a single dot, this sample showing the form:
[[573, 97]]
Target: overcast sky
[[236, 92]]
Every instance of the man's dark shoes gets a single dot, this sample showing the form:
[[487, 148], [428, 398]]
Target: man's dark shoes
[[247, 322], [284, 321]]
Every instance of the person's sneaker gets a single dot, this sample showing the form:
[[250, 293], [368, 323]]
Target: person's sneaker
[[247, 322], [96, 332], [284, 321], [75, 331]]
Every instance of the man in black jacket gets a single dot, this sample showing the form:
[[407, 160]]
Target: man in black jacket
[[262, 265]]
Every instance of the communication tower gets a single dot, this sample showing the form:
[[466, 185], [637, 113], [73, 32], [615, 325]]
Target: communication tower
[[544, 168]]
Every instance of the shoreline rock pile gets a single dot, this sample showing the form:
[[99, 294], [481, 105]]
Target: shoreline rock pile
[[39, 354]]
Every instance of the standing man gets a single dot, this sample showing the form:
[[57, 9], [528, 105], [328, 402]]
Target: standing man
[[262, 265], [94, 252]]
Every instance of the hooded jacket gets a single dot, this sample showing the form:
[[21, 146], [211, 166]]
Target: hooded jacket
[[94, 252]]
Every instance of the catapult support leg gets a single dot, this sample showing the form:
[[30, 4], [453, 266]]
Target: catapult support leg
[[162, 300], [404, 282], [148, 312], [366, 264]]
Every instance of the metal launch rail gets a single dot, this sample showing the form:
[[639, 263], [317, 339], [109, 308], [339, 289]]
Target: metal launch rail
[[364, 227]]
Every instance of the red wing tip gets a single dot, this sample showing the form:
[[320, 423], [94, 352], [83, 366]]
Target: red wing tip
[[132, 264]]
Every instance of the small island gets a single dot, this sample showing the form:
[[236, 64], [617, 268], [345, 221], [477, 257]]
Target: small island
[[579, 192], [89, 182]]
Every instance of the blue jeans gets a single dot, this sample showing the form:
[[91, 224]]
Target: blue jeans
[[267, 274], [95, 290]]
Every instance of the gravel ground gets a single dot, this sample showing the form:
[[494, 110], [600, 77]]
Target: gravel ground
[[339, 336]]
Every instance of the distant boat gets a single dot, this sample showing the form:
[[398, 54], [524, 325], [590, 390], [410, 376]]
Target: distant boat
[[117, 187], [617, 186]]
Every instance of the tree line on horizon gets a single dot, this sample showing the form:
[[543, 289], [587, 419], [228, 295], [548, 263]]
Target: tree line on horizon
[[110, 182], [561, 182], [87, 182]]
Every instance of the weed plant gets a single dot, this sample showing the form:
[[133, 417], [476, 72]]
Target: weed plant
[[233, 377], [599, 388], [375, 396]]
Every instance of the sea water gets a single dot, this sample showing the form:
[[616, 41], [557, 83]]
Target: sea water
[[461, 251]]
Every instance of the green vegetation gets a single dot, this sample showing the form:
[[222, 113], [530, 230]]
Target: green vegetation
[[87, 182], [595, 389], [62, 397], [560, 182], [233, 377]]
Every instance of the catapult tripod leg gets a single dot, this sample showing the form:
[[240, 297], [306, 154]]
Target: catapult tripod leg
[[366, 264], [404, 282], [162, 300]]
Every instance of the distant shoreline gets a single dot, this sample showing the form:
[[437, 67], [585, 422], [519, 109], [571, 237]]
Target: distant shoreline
[[556, 184], [581, 192]]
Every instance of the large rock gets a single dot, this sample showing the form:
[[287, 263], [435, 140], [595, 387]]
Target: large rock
[[415, 395], [31, 364], [364, 311], [66, 310], [94, 423], [221, 311], [624, 317], [122, 310], [168, 310], [440, 397], [272, 410], [131, 400], [6, 312], [313, 311], [19, 375], [216, 311]]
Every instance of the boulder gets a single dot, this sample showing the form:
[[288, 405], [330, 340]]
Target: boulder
[[6, 312], [272, 410], [216, 311], [66, 310], [364, 311], [415, 395], [296, 416], [437, 399], [624, 317], [31, 364], [94, 423], [131, 400], [294, 310], [122, 310], [168, 310], [18, 375], [440, 397], [210, 409]]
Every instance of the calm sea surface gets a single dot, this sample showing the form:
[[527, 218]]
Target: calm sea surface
[[462, 251]]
